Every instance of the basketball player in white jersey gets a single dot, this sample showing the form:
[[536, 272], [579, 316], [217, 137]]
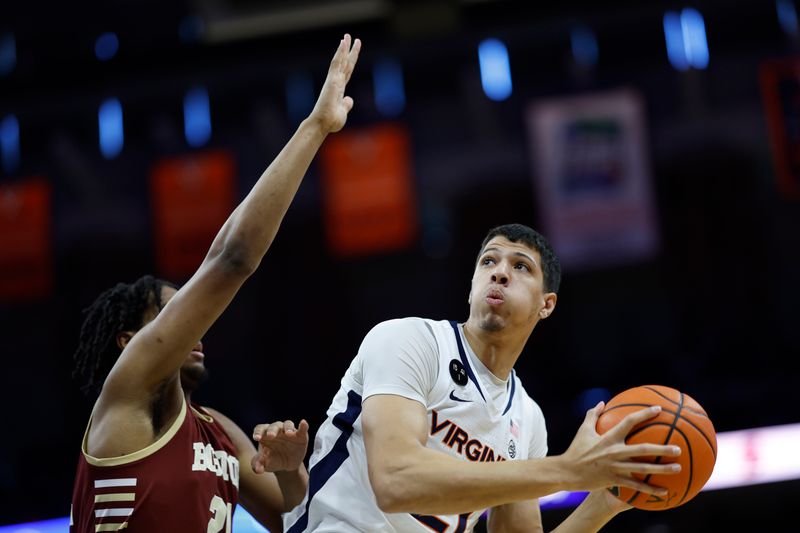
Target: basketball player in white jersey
[[431, 425]]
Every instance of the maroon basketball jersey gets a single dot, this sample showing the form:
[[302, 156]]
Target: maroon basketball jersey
[[187, 481]]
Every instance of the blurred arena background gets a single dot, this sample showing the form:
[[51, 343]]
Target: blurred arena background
[[656, 143]]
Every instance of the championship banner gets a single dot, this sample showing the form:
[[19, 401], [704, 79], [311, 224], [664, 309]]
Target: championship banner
[[367, 191], [592, 179], [192, 196], [26, 265], [780, 89]]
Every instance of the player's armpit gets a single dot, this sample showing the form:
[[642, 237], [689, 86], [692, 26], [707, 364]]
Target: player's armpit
[[518, 517]]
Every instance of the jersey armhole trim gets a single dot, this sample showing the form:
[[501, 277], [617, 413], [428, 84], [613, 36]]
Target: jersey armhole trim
[[135, 456]]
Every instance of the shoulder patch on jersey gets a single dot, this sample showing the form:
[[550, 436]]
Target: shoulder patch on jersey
[[458, 373]]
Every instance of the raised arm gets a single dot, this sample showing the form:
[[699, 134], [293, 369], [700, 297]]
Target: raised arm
[[156, 352], [408, 477]]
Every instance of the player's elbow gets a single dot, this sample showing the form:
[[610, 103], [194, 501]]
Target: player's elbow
[[236, 260], [391, 493]]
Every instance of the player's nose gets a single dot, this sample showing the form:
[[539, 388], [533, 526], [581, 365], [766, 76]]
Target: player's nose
[[500, 273]]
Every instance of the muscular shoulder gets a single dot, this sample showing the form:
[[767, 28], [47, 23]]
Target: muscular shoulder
[[409, 328], [403, 337]]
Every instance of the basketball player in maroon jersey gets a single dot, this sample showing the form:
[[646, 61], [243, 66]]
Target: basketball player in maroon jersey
[[151, 461]]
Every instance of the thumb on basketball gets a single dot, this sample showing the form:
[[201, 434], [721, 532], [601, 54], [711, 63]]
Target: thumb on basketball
[[593, 414]]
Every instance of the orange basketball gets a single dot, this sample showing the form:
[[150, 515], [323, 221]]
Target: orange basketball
[[682, 422]]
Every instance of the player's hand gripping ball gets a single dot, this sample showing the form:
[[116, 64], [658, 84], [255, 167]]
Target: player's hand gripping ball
[[682, 422]]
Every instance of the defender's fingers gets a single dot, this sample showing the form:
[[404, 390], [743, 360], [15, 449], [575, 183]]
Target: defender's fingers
[[288, 426], [352, 59], [259, 430], [303, 429]]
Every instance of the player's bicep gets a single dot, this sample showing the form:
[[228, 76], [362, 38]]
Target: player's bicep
[[394, 429], [159, 349], [518, 517]]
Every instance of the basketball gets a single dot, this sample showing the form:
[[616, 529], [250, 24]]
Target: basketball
[[681, 422]]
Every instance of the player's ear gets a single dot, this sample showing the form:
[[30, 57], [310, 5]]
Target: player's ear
[[123, 338], [549, 305]]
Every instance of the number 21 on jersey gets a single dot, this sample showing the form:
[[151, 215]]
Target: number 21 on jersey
[[221, 520]]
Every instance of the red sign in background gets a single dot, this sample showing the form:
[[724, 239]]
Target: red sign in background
[[26, 266], [367, 191], [192, 197]]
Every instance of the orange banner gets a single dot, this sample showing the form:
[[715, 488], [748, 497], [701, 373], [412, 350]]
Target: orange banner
[[368, 194], [192, 197], [780, 89], [26, 266]]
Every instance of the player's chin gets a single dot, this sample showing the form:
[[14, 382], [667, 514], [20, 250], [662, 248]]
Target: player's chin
[[193, 374]]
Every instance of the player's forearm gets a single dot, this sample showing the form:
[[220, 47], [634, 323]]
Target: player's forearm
[[433, 483], [293, 484], [249, 231], [591, 515]]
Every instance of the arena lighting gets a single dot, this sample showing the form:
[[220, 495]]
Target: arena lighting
[[745, 457], [390, 96], [299, 96], [685, 34], [495, 69], [787, 16], [109, 122], [584, 46], [106, 46], [8, 53], [196, 117], [9, 144]]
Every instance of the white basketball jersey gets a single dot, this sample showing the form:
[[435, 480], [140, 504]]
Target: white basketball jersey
[[464, 421]]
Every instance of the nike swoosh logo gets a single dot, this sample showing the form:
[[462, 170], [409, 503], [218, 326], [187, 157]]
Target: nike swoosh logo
[[456, 398]]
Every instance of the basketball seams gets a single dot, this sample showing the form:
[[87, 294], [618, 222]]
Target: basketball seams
[[675, 418], [659, 393], [675, 413], [682, 418]]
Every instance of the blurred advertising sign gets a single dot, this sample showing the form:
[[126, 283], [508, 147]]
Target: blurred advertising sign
[[26, 267], [592, 179], [367, 191], [192, 196], [780, 88]]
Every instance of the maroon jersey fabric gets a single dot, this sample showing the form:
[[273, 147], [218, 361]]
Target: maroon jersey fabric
[[187, 481]]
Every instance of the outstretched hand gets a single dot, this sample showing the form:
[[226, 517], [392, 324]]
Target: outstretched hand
[[281, 446], [332, 105], [602, 461]]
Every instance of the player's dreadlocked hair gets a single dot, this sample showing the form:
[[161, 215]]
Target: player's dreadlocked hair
[[120, 308]]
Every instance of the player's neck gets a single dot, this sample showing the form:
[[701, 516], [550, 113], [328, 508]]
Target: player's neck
[[497, 350]]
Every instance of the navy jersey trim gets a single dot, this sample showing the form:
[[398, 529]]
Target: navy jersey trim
[[328, 465], [513, 388], [464, 359]]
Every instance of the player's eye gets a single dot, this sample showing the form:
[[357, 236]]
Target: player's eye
[[487, 261], [522, 266]]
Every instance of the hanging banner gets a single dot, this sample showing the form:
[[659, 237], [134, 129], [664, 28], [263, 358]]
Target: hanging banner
[[192, 197], [26, 266], [592, 178], [367, 191], [780, 88]]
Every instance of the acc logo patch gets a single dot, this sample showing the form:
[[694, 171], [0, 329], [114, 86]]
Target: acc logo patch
[[512, 449], [458, 372]]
